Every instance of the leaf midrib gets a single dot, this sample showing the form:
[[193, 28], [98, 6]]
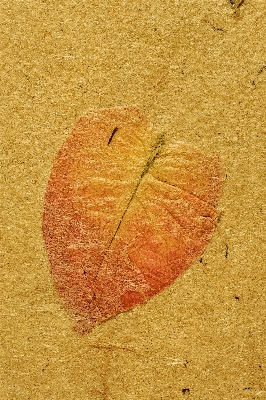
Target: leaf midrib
[[154, 153]]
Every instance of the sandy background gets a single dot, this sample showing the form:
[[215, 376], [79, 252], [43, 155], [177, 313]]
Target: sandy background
[[198, 70]]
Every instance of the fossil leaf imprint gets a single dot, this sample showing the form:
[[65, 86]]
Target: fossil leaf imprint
[[126, 212]]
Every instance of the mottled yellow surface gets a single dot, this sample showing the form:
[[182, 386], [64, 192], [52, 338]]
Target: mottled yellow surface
[[197, 70]]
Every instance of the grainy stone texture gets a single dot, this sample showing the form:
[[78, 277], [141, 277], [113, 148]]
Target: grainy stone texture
[[197, 70]]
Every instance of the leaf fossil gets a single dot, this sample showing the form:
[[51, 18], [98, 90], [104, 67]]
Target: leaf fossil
[[125, 213]]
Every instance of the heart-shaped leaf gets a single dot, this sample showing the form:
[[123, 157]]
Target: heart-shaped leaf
[[126, 212]]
